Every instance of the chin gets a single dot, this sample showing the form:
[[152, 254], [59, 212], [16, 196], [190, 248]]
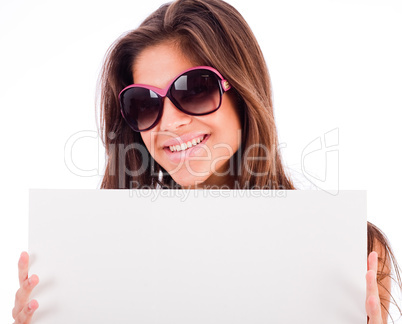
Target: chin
[[190, 181]]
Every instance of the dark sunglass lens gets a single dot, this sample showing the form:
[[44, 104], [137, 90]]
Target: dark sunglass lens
[[140, 107], [197, 92]]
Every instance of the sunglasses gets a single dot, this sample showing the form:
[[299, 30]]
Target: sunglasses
[[197, 91]]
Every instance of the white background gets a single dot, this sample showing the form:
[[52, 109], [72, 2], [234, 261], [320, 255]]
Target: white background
[[333, 64]]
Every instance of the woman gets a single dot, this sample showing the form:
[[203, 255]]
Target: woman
[[186, 103]]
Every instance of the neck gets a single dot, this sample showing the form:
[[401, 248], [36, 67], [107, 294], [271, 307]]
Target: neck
[[216, 180]]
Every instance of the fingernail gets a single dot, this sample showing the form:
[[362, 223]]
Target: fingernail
[[29, 280], [32, 306]]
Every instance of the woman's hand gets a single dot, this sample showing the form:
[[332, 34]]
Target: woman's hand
[[23, 310], [373, 303]]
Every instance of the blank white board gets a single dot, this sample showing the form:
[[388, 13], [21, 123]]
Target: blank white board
[[198, 256]]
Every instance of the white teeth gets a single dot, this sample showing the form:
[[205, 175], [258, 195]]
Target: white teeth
[[185, 146]]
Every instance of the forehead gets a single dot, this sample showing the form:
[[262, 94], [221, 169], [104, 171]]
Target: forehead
[[157, 65]]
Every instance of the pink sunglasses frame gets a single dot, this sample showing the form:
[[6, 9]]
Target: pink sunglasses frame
[[225, 86]]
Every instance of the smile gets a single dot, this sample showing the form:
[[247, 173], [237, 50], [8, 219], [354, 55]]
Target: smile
[[187, 145]]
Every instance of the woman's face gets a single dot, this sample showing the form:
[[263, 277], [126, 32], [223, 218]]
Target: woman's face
[[204, 164]]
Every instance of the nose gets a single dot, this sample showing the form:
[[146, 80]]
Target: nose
[[172, 118]]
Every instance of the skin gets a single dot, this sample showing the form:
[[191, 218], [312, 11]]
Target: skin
[[375, 293], [157, 66], [24, 309]]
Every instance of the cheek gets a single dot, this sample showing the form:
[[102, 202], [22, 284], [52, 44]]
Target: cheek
[[146, 138], [233, 133], [230, 121]]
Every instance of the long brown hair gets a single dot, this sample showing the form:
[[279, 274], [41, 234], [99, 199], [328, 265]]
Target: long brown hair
[[213, 33]]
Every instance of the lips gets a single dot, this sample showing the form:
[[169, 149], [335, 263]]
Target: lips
[[187, 145], [184, 139], [181, 147]]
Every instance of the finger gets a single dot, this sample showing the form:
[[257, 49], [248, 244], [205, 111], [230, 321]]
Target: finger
[[25, 316], [23, 267], [373, 305], [373, 261], [373, 309], [22, 295], [371, 276]]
